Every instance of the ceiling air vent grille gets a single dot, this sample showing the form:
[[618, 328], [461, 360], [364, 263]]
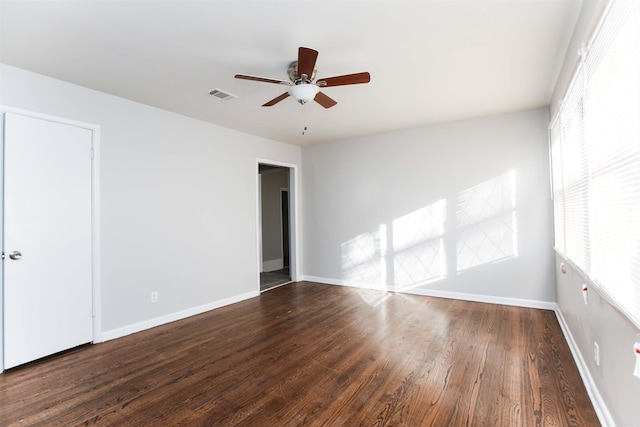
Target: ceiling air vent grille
[[220, 94]]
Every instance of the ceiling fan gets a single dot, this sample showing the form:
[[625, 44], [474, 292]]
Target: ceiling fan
[[302, 86]]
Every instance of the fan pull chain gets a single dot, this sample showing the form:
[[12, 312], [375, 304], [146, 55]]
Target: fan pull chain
[[303, 119]]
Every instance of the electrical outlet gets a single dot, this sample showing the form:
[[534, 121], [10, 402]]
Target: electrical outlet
[[154, 297], [596, 353]]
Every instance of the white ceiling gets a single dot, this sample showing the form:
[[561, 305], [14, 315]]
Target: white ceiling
[[430, 61]]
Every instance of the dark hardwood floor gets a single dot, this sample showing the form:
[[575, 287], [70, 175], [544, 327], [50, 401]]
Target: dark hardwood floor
[[317, 355]]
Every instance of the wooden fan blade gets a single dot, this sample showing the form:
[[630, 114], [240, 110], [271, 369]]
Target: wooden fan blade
[[324, 100], [347, 79], [274, 101], [261, 79], [306, 61]]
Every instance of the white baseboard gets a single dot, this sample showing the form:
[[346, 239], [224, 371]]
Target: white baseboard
[[172, 317], [322, 280], [592, 390], [544, 305], [272, 265], [517, 302]]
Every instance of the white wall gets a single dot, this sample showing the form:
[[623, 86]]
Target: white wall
[[615, 392], [178, 201], [352, 188]]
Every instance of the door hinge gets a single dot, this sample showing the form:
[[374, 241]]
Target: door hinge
[[2, 255], [92, 153]]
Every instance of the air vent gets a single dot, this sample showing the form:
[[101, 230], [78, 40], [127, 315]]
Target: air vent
[[220, 94]]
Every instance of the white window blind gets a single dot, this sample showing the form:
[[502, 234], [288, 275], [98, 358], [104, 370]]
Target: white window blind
[[575, 176], [595, 150], [558, 188]]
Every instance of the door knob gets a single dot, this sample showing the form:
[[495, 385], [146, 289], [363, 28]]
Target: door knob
[[16, 255]]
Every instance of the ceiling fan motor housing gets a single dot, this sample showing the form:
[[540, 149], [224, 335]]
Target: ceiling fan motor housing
[[292, 72]]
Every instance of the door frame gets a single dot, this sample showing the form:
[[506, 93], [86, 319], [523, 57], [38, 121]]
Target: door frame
[[294, 218], [95, 215], [282, 191]]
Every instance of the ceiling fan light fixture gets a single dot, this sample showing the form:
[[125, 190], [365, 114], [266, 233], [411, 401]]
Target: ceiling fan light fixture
[[304, 92], [303, 87]]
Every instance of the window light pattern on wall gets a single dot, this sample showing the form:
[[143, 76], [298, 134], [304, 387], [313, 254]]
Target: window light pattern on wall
[[486, 220], [430, 243], [362, 260], [418, 245]]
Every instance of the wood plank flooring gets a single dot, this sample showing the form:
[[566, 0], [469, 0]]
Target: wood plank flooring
[[315, 355]]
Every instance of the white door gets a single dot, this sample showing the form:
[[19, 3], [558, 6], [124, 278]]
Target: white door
[[47, 238]]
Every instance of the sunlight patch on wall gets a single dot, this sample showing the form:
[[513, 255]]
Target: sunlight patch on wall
[[477, 226], [418, 246], [362, 261], [486, 221]]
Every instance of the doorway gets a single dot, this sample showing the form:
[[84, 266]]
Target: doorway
[[275, 225]]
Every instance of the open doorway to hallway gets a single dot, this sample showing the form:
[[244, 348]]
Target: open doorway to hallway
[[275, 269]]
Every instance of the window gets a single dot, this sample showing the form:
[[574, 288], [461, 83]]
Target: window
[[595, 154]]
